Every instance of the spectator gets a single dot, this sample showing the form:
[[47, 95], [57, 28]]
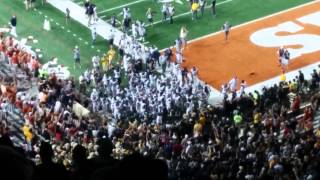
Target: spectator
[[48, 169]]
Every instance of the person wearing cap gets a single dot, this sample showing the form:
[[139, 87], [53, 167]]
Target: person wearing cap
[[76, 57]]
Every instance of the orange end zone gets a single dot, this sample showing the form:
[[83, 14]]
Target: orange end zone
[[219, 61]]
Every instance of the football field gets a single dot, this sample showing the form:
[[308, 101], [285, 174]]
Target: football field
[[163, 34], [251, 51], [63, 37]]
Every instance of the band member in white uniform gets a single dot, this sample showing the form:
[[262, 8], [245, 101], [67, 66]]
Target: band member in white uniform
[[183, 36]]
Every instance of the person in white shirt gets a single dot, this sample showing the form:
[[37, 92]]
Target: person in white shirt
[[162, 62], [183, 36], [94, 99], [164, 11], [134, 30], [57, 107], [226, 28], [202, 4], [95, 14], [233, 84], [141, 31], [93, 33], [243, 85], [178, 44], [224, 91], [194, 73], [179, 57], [126, 13], [149, 15], [171, 12], [95, 62]]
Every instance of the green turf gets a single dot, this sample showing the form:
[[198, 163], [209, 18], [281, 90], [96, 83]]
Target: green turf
[[163, 34], [57, 42]]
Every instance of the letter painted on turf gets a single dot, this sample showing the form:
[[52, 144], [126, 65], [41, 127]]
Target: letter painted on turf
[[307, 43]]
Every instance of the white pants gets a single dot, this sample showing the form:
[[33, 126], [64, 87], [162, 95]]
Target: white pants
[[13, 31]]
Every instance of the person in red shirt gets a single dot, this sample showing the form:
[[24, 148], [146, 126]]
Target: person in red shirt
[[18, 103], [14, 59], [295, 106]]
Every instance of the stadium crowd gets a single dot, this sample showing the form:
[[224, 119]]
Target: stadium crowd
[[163, 121]]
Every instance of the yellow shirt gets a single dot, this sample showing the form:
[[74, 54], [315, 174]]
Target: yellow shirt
[[293, 86], [27, 133], [257, 118], [318, 133], [202, 120], [283, 77], [111, 53], [197, 128], [194, 6]]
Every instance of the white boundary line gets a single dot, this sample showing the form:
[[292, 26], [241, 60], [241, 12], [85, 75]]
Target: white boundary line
[[256, 20], [121, 6], [189, 12]]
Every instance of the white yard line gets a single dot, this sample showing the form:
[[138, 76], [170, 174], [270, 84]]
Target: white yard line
[[189, 12], [119, 7]]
